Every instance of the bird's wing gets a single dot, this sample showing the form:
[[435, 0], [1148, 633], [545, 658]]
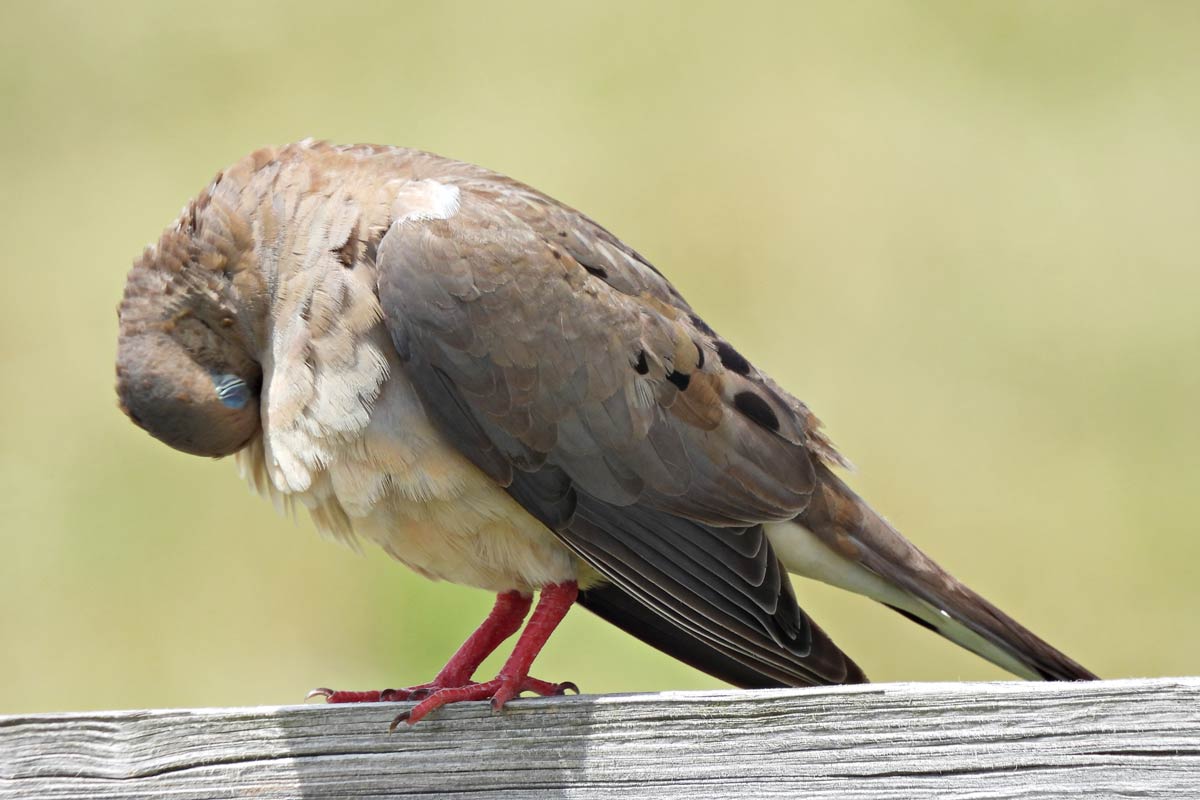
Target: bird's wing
[[573, 374]]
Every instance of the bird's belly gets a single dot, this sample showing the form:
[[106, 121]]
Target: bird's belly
[[481, 537], [397, 482]]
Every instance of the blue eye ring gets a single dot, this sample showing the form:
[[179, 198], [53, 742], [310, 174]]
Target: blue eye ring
[[232, 391]]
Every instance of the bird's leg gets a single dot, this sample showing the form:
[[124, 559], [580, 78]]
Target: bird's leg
[[502, 621], [555, 600]]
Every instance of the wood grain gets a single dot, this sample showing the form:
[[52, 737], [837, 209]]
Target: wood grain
[[1130, 738]]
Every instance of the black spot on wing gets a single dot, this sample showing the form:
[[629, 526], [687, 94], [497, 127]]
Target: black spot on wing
[[599, 272], [756, 409], [731, 359], [641, 366], [680, 380], [701, 325], [699, 355]]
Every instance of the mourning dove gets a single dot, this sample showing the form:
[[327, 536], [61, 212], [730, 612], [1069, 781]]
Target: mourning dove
[[500, 393]]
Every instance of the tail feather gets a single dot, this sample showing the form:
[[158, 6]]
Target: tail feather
[[839, 539]]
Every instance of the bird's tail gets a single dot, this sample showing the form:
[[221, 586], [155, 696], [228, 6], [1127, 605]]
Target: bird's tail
[[840, 540]]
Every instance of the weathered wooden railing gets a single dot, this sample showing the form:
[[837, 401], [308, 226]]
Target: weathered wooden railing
[[1129, 738]]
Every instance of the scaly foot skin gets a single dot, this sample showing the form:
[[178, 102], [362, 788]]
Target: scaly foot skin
[[383, 696], [499, 691], [433, 697]]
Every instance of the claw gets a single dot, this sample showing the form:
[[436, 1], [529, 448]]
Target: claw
[[320, 691], [400, 719]]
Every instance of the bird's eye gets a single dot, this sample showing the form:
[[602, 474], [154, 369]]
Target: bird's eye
[[232, 391]]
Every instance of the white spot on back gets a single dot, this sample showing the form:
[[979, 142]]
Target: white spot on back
[[425, 199]]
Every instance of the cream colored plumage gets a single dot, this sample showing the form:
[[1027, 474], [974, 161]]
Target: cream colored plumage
[[498, 392], [343, 432]]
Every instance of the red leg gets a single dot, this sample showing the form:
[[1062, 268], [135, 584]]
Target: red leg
[[502, 622], [556, 599]]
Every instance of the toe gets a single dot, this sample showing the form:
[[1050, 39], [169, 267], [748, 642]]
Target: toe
[[505, 693], [345, 697], [548, 689], [456, 694]]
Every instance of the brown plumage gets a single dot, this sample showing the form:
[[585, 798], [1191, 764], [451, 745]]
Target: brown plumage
[[499, 392]]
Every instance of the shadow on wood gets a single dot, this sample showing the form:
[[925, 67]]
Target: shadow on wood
[[1132, 738]]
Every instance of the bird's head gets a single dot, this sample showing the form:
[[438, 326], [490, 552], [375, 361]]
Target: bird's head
[[185, 369]]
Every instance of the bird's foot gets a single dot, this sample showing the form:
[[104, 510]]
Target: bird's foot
[[432, 696], [499, 691], [453, 684], [447, 693]]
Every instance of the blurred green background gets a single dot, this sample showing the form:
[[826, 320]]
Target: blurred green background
[[965, 234]]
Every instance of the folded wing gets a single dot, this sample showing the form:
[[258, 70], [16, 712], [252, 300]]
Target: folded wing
[[574, 375]]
